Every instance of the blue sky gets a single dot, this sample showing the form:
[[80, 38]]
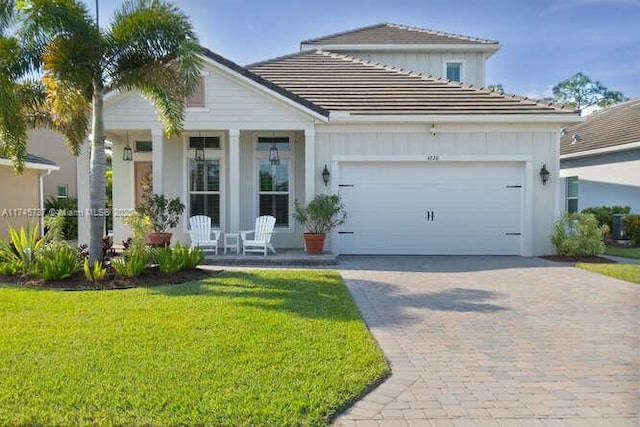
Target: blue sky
[[543, 41]]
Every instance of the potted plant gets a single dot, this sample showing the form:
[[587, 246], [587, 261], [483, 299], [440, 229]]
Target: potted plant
[[164, 214], [324, 213]]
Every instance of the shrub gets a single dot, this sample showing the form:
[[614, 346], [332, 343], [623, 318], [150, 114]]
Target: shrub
[[9, 268], [67, 208], [604, 214], [132, 263], [22, 248], [631, 226], [140, 225], [191, 257], [97, 272], [169, 260], [62, 265], [578, 234]]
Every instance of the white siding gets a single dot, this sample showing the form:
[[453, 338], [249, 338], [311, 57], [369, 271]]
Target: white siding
[[538, 142], [430, 62]]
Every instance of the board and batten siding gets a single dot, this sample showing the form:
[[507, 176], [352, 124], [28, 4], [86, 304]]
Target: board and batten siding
[[430, 62], [535, 141]]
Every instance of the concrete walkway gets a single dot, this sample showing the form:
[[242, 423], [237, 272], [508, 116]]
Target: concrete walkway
[[497, 341]]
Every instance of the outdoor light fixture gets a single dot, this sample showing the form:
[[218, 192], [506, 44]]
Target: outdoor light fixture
[[199, 154], [274, 158], [544, 174], [325, 175], [433, 129], [127, 153]]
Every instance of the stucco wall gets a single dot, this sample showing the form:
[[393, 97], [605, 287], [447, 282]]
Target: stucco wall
[[51, 146], [18, 194]]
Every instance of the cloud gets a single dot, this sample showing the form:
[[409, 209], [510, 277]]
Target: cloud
[[559, 5]]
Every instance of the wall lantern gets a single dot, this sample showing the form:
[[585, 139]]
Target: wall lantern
[[127, 153], [433, 129], [325, 175], [199, 154], [544, 174], [274, 158]]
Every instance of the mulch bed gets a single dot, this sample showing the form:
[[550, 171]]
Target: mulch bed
[[574, 259], [152, 276]]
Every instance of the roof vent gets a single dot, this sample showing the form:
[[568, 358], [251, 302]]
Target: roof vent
[[563, 131], [575, 138]]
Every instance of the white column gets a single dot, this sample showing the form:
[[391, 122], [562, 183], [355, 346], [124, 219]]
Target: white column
[[234, 180], [309, 164], [157, 156]]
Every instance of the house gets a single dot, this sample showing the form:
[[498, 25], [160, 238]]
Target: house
[[22, 196], [600, 159], [47, 144], [424, 164]]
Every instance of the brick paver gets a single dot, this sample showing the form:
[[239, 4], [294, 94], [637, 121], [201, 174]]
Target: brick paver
[[497, 341]]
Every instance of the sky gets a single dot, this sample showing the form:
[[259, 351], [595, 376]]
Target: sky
[[542, 41]]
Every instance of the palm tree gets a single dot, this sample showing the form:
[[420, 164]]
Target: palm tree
[[150, 47]]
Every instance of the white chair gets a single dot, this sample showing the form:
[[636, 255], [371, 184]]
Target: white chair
[[201, 233], [261, 236]]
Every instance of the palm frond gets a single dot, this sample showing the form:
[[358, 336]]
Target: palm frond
[[13, 129]]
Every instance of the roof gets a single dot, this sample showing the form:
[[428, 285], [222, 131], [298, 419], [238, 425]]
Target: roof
[[611, 127], [338, 82], [387, 33], [33, 162], [264, 82]]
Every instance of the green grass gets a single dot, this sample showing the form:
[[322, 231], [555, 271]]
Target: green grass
[[241, 348], [630, 273], [623, 252]]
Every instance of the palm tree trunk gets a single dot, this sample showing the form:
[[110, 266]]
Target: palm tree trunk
[[97, 181]]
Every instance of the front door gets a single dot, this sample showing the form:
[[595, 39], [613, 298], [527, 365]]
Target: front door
[[142, 176]]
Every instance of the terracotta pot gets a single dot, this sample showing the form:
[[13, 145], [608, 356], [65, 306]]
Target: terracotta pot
[[158, 239], [314, 243]]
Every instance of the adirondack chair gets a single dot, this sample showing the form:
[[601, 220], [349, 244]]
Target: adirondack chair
[[201, 233], [261, 236]]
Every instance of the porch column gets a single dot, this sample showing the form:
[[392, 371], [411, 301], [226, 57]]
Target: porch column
[[309, 164], [157, 156], [234, 180]]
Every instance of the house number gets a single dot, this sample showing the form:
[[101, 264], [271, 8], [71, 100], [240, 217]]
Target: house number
[[433, 158]]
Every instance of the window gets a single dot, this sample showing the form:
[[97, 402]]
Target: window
[[572, 194], [62, 191], [274, 190], [197, 98], [453, 71], [204, 189], [265, 143], [207, 142], [143, 146]]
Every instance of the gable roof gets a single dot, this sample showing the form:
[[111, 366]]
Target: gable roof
[[33, 162], [609, 128], [342, 83], [388, 33]]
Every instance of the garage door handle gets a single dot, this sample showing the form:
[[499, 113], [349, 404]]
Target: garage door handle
[[429, 215]]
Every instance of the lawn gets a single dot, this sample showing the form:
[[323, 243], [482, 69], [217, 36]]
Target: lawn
[[241, 348], [630, 273], [623, 252]]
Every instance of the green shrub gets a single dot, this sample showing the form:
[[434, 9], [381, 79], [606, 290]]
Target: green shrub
[[169, 260], [97, 272], [631, 226], [67, 208], [22, 248], [604, 214], [578, 234], [9, 268], [140, 225], [62, 265], [132, 263], [191, 257]]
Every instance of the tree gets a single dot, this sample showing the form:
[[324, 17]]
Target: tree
[[150, 47], [580, 91], [496, 87]]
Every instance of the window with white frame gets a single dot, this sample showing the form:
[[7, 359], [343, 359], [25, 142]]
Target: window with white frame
[[453, 70], [204, 189], [62, 191], [572, 194], [274, 181]]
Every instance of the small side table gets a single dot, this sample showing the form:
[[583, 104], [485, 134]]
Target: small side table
[[232, 241]]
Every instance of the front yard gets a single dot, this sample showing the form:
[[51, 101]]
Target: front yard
[[630, 273], [241, 348]]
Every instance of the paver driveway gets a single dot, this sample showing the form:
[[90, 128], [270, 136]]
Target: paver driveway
[[497, 341]]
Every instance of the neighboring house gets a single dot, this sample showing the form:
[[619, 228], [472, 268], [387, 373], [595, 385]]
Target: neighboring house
[[21, 196], [600, 159], [50, 145], [424, 165]]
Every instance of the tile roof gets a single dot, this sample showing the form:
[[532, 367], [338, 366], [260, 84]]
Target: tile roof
[[610, 127], [338, 82], [387, 33]]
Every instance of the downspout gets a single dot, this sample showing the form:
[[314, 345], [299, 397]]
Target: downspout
[[41, 197]]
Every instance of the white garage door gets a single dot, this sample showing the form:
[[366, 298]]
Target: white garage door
[[431, 208]]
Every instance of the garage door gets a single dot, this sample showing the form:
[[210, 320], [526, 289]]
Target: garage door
[[431, 208]]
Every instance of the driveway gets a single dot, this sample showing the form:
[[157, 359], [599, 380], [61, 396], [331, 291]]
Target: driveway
[[497, 341]]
